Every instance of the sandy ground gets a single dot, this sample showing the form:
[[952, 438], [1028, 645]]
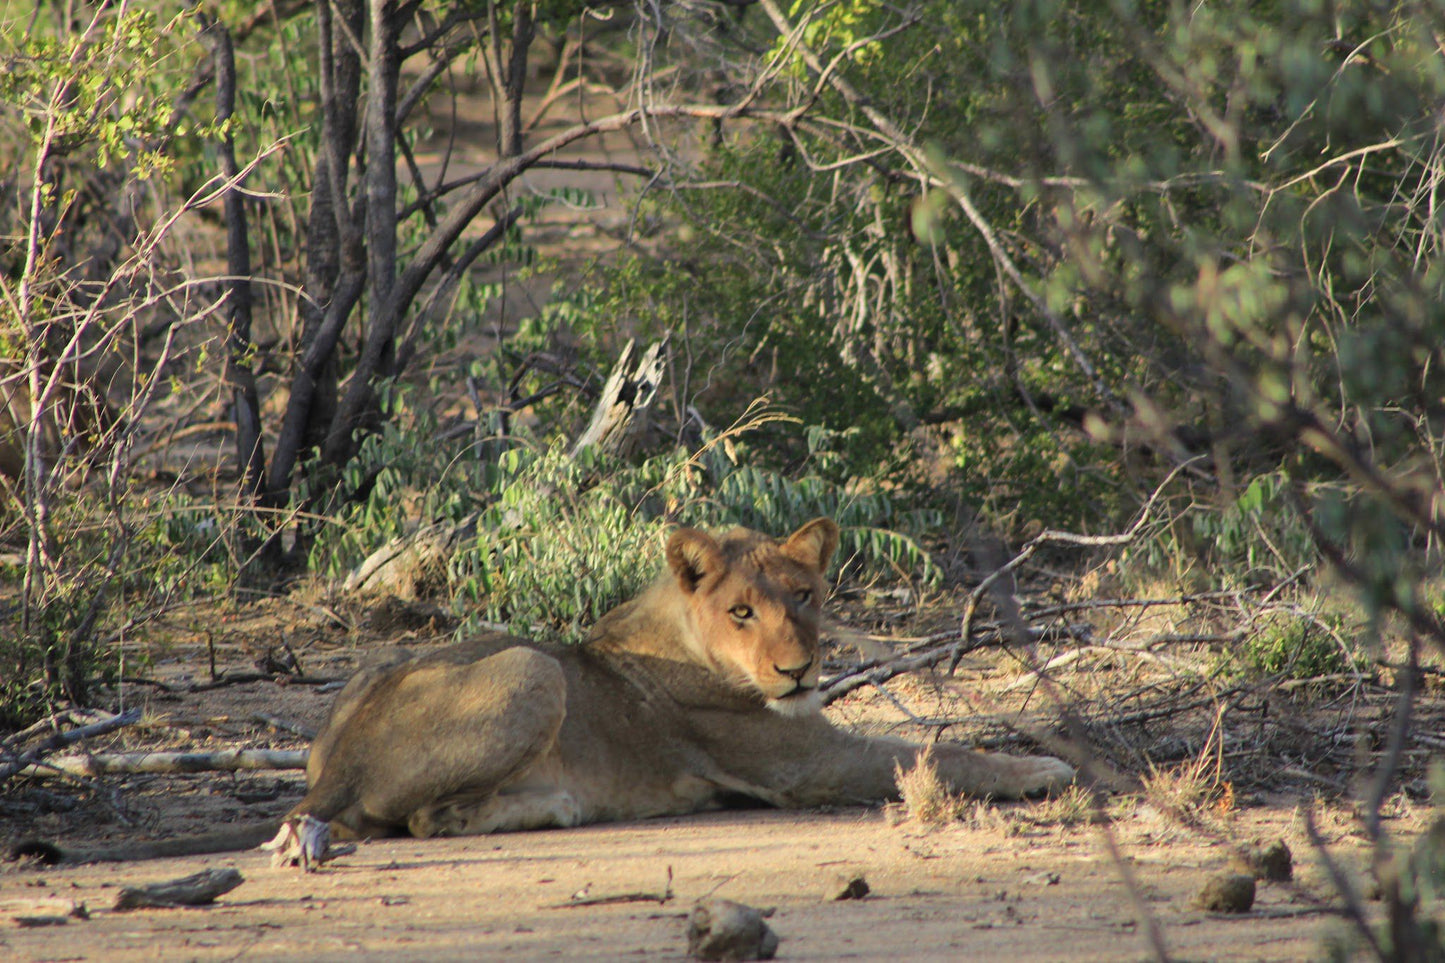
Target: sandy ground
[[1049, 894], [1005, 879]]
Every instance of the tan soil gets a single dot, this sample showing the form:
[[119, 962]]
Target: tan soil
[[993, 883], [935, 895]]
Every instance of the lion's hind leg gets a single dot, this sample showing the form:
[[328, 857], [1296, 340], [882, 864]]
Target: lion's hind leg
[[497, 812], [431, 734]]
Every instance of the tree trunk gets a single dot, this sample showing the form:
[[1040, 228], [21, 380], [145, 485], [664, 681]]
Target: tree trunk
[[509, 77], [384, 312], [238, 378], [335, 265]]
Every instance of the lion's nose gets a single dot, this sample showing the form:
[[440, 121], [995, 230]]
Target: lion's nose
[[796, 673]]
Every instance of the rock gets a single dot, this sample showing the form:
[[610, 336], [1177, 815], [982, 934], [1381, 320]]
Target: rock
[[1273, 862], [1228, 893], [849, 886], [720, 929]]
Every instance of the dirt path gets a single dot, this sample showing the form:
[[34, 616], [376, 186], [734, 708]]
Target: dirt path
[[980, 891]]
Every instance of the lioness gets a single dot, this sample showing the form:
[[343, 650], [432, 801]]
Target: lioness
[[701, 691]]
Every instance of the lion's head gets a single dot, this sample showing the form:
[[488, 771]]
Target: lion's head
[[753, 604]]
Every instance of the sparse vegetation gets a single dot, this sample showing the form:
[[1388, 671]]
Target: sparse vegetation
[[924, 798]]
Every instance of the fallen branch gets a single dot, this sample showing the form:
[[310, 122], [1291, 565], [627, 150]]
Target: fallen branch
[[224, 760], [937, 648], [238, 678], [295, 728], [280, 678], [195, 890], [60, 740], [1052, 537]]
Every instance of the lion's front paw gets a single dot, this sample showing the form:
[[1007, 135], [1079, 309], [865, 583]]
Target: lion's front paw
[[1041, 776], [304, 841]]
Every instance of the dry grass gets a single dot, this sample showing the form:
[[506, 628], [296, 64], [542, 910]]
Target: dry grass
[[925, 798], [1195, 789], [1074, 806]]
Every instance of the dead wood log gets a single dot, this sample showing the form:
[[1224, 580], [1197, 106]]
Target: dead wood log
[[626, 396], [223, 760], [197, 889]]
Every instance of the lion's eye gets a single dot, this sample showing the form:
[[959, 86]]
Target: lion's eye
[[741, 612], [804, 596]]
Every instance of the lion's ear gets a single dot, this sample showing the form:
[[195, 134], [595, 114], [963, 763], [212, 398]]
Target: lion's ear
[[692, 555], [814, 543]]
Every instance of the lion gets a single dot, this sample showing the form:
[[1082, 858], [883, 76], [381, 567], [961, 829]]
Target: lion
[[700, 693]]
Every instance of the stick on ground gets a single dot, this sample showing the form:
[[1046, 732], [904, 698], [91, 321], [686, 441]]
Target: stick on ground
[[223, 760], [195, 890]]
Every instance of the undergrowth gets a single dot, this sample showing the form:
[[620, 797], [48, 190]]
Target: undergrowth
[[562, 539]]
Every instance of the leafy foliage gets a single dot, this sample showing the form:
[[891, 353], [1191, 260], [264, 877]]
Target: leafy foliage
[[1299, 647], [560, 540]]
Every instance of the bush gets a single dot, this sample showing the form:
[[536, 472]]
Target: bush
[[1299, 647], [562, 540]]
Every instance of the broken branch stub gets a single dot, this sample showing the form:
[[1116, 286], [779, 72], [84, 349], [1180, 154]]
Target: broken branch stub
[[622, 409]]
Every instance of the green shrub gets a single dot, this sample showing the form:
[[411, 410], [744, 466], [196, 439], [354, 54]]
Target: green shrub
[[561, 540], [1299, 647]]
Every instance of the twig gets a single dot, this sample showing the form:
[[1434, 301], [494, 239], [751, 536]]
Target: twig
[[840, 685], [1054, 537], [1136, 895], [62, 739], [1089, 604], [1399, 734], [912, 716], [613, 898], [1354, 909]]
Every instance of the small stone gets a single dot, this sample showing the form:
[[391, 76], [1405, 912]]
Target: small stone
[[720, 929], [1273, 862], [1229, 893], [850, 886]]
